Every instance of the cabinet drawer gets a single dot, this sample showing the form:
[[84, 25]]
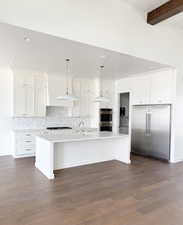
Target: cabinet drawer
[[24, 135], [28, 142], [27, 136], [24, 143], [21, 141], [22, 150]]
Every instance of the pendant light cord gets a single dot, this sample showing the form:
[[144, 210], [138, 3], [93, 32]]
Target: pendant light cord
[[67, 76], [101, 81]]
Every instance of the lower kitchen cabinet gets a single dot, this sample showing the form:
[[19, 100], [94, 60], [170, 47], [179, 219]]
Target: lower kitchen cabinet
[[24, 143]]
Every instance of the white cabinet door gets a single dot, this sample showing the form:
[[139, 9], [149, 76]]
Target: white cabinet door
[[23, 95], [83, 89], [84, 104], [108, 92], [77, 92], [29, 89], [162, 86], [19, 103], [124, 85], [140, 87], [40, 98], [24, 144], [57, 85]]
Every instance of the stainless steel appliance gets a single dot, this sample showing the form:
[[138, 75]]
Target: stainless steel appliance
[[105, 119], [151, 131]]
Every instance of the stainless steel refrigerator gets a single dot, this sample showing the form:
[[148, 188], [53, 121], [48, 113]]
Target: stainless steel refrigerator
[[151, 131]]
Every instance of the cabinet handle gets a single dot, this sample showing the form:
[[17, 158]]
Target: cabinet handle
[[28, 149], [28, 141], [28, 134]]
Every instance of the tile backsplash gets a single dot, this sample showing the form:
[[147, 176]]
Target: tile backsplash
[[55, 116]]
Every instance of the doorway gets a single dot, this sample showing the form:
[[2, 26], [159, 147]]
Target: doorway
[[124, 113]]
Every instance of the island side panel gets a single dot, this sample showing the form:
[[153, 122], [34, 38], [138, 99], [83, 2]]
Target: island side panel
[[45, 157], [88, 152], [123, 150]]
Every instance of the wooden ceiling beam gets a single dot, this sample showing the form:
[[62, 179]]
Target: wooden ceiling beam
[[165, 11]]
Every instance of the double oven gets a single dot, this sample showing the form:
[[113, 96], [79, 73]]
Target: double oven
[[106, 119]]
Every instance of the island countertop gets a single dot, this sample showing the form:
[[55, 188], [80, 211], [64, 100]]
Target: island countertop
[[75, 137]]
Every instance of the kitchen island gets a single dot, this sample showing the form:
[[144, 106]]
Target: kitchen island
[[56, 151]]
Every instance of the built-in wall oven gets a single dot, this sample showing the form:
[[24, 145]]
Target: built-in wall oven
[[106, 119]]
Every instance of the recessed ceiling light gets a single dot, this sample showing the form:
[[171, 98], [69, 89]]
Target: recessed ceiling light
[[103, 56], [27, 39]]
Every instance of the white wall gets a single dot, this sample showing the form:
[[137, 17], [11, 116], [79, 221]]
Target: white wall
[[110, 24], [6, 93]]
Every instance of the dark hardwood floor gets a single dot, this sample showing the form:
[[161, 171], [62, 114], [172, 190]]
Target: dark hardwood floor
[[148, 192]]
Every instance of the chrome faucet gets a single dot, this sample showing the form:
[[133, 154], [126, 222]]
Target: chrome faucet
[[81, 125]]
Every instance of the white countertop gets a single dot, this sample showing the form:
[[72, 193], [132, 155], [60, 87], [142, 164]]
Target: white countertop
[[28, 130], [74, 137]]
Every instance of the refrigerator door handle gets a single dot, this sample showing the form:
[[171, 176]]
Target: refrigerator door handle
[[148, 123]]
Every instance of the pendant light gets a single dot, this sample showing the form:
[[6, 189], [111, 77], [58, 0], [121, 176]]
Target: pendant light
[[67, 96], [101, 97]]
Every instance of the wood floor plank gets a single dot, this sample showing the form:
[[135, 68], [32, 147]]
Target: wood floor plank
[[108, 193]]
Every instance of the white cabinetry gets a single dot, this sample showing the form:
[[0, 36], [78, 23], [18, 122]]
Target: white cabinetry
[[24, 143], [84, 89], [40, 94], [140, 87], [29, 94], [57, 85], [86, 100], [155, 88], [23, 95], [108, 92], [162, 88]]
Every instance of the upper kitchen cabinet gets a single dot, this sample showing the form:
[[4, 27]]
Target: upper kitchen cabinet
[[123, 85], [40, 93], [84, 89], [162, 87], [153, 88], [29, 94], [57, 86], [86, 97], [140, 87], [108, 92], [23, 98]]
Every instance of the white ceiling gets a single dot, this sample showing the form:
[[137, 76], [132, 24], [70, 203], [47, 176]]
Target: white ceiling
[[148, 5], [47, 53]]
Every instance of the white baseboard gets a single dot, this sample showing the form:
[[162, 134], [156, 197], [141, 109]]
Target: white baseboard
[[5, 154], [176, 161], [23, 156]]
